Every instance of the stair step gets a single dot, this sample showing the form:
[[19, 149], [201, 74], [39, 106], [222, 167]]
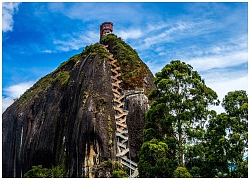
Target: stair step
[[123, 141], [121, 136], [135, 174], [122, 153], [128, 165], [120, 115], [122, 120], [122, 145], [121, 124], [129, 161], [119, 97], [118, 109]]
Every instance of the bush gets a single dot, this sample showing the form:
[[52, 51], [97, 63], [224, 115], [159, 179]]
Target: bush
[[182, 172], [40, 172], [119, 174], [195, 172], [36, 172]]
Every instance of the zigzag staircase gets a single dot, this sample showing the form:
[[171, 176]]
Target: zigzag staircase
[[120, 118]]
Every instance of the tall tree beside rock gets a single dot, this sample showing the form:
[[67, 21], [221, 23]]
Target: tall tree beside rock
[[179, 109]]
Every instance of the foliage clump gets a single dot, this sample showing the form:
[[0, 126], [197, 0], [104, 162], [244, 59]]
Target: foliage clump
[[95, 49], [132, 68], [115, 169], [38, 171], [181, 172], [155, 160]]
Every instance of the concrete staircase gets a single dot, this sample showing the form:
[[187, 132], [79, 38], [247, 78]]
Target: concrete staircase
[[120, 118]]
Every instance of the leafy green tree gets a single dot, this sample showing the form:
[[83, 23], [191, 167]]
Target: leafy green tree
[[177, 116], [241, 170], [195, 172], [194, 159], [216, 147], [154, 161], [227, 139], [236, 106], [180, 107]]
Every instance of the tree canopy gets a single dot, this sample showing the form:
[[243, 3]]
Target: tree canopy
[[198, 142]]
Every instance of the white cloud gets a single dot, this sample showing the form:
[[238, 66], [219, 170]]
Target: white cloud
[[218, 61], [47, 51], [77, 41], [167, 34], [129, 34], [99, 11], [154, 66], [6, 102], [229, 53], [225, 86], [9, 9], [157, 26], [13, 92], [236, 46]]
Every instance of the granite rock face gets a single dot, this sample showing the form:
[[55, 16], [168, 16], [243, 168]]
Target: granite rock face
[[137, 105], [69, 113]]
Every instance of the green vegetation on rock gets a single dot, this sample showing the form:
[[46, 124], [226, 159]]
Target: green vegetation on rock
[[115, 168], [40, 172], [132, 68], [61, 74], [58, 171], [95, 49]]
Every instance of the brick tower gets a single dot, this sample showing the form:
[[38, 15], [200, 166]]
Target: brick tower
[[106, 28]]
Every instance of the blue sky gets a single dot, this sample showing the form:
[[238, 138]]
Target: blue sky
[[212, 37]]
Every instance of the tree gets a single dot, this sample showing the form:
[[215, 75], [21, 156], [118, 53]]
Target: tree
[[216, 147], [181, 104], [227, 138], [236, 106], [154, 161], [179, 109]]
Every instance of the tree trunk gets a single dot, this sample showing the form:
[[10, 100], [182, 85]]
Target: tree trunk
[[180, 141], [180, 151]]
